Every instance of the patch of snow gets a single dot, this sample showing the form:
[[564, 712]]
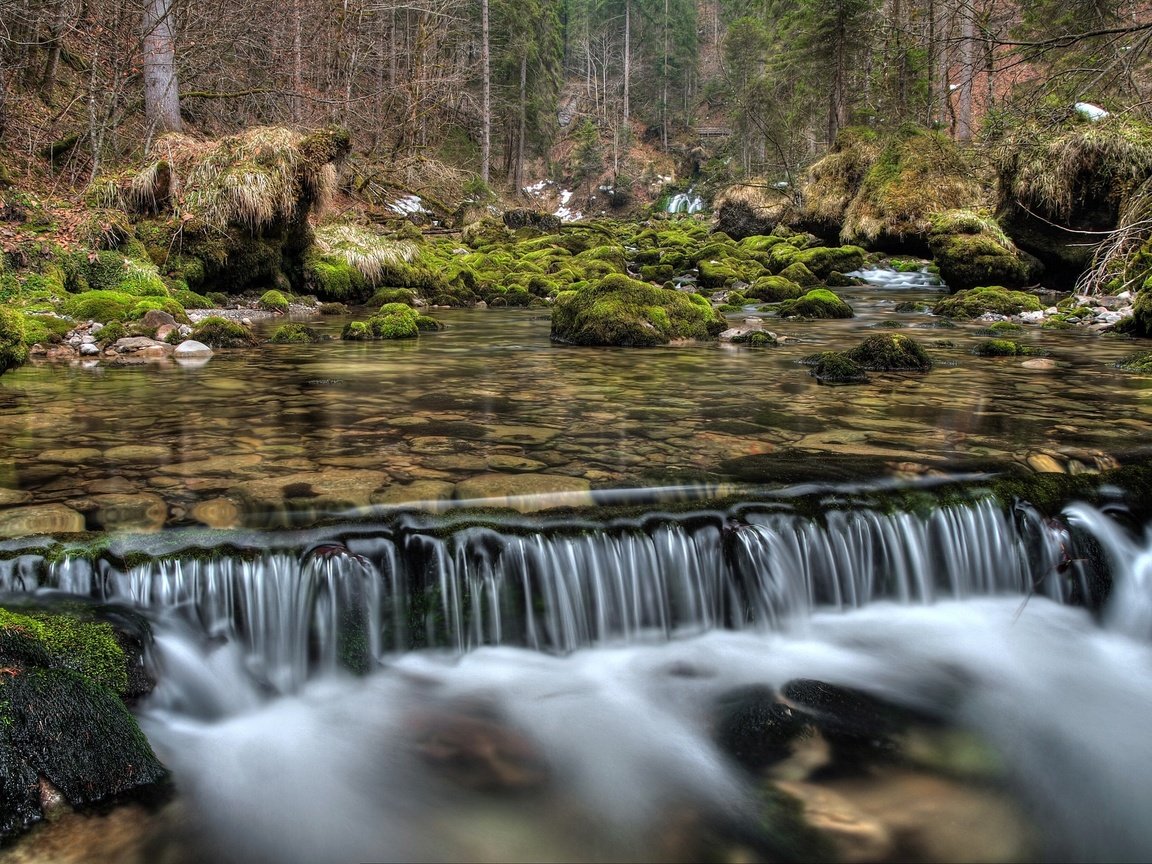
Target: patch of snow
[[537, 187], [1089, 111], [565, 197], [408, 204]]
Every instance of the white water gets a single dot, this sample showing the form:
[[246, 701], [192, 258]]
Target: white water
[[342, 771], [685, 202]]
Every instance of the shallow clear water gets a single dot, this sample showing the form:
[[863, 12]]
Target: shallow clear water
[[288, 433]]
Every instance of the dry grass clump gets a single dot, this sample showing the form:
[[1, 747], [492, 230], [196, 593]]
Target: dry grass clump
[[918, 174], [254, 180], [1052, 171], [1123, 261], [770, 204], [971, 222], [835, 180], [369, 253]]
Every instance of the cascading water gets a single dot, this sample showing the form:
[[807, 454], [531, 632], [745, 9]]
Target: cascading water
[[562, 701], [686, 203]]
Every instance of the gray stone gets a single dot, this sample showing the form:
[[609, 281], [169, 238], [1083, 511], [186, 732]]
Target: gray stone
[[154, 318], [140, 344]]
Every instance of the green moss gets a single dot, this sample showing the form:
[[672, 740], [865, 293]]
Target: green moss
[[356, 331], [428, 324], [975, 302], [113, 271], [45, 329], [836, 367], [216, 332], [109, 333], [295, 334], [163, 304], [890, 352], [333, 309], [273, 301], [13, 348], [333, 278], [1004, 348], [623, 311], [755, 339], [191, 300], [102, 306], [87, 647], [799, 273], [820, 303], [405, 296], [997, 328], [395, 325], [823, 260], [971, 249], [773, 289]]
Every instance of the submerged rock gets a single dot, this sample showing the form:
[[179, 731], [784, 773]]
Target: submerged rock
[[755, 728]]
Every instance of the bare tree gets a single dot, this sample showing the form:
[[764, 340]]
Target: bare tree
[[161, 91]]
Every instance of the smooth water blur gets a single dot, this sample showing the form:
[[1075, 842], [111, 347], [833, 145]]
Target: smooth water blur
[[490, 408]]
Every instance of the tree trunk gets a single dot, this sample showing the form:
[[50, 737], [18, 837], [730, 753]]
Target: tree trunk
[[297, 62], [161, 91], [486, 103], [518, 179], [56, 23], [627, 61], [967, 73]]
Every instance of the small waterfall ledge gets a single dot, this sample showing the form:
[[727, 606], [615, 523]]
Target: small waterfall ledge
[[300, 604]]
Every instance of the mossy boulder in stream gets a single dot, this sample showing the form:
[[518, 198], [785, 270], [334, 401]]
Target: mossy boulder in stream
[[622, 311], [836, 367], [819, 303], [63, 722], [995, 300], [217, 332], [970, 249], [13, 351], [891, 352]]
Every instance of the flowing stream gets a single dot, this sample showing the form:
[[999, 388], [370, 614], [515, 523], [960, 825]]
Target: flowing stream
[[479, 597]]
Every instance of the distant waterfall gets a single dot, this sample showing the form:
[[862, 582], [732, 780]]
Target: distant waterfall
[[685, 202]]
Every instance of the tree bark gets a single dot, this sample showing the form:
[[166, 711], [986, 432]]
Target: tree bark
[[486, 101], [627, 62], [967, 73], [161, 90]]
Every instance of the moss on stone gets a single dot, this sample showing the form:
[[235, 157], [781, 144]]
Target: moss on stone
[[273, 301], [800, 274], [623, 311], [1140, 362], [163, 304], [217, 332], [13, 348], [971, 249], [836, 367], [102, 306], [819, 303], [773, 289], [356, 331], [974, 302], [891, 352], [405, 296], [67, 642], [824, 260], [295, 333], [755, 339]]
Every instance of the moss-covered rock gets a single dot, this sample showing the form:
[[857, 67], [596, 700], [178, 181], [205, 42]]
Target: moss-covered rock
[[102, 306], [995, 299], [836, 367], [356, 331], [835, 180], [799, 273], [891, 352], [819, 303], [216, 332], [1004, 348], [756, 339], [13, 348], [773, 289], [273, 301], [622, 311], [823, 261], [970, 249], [295, 333]]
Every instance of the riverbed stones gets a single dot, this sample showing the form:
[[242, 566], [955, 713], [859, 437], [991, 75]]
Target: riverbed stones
[[40, 519], [137, 453], [332, 489], [217, 513], [527, 492], [142, 346], [143, 512], [427, 493]]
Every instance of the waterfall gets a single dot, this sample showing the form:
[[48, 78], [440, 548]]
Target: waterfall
[[369, 592], [685, 202]]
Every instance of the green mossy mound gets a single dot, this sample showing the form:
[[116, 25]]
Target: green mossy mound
[[970, 249], [823, 261], [917, 174], [820, 303], [994, 300], [836, 367], [773, 289], [1003, 348], [756, 339], [216, 332], [295, 334], [393, 321], [13, 347], [622, 311], [103, 306], [800, 274], [890, 352], [273, 301]]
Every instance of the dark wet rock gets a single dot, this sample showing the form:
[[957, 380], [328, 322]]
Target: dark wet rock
[[64, 728], [836, 367], [859, 727], [990, 299], [739, 219], [755, 728]]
